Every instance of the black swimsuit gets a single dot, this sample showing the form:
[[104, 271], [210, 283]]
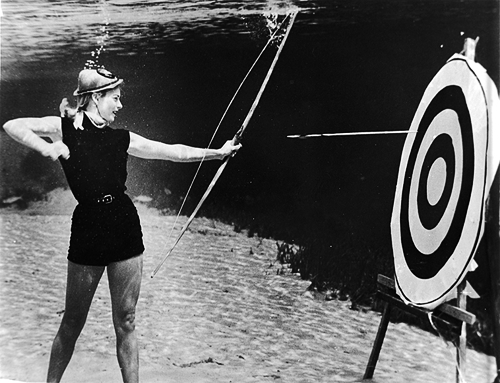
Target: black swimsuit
[[105, 226]]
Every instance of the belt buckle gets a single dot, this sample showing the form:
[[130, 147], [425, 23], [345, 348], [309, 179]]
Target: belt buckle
[[107, 199]]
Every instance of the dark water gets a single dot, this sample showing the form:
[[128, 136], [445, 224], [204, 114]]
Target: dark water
[[347, 66]]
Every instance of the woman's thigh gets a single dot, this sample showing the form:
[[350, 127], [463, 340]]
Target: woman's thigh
[[82, 282], [125, 285]]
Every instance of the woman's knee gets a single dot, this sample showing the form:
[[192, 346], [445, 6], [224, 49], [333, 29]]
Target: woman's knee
[[124, 320]]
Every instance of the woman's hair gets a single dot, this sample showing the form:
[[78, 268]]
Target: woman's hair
[[82, 101]]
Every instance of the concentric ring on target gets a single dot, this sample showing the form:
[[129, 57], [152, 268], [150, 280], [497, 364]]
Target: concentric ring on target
[[446, 219], [438, 206]]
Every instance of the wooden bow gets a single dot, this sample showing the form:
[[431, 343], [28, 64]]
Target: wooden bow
[[236, 140]]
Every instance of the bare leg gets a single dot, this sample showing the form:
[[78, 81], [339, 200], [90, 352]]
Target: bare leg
[[124, 285], [81, 284]]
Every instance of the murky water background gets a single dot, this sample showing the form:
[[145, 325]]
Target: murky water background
[[358, 65], [347, 66]]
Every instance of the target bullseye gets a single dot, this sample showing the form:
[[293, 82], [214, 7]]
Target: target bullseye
[[436, 181], [439, 201]]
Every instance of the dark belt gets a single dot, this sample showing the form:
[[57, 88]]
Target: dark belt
[[104, 200], [107, 199]]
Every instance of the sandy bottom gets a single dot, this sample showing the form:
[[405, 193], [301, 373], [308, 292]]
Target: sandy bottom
[[216, 312]]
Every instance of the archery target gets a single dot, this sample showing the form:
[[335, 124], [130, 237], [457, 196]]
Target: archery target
[[438, 208]]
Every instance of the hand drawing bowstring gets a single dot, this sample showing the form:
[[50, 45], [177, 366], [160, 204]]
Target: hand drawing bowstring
[[236, 138]]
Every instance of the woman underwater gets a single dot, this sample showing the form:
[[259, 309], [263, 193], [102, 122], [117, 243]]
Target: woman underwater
[[105, 229]]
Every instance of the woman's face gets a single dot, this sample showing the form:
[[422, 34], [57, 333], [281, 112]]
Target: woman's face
[[109, 104]]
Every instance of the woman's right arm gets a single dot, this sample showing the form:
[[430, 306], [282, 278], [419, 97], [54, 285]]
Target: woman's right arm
[[29, 130]]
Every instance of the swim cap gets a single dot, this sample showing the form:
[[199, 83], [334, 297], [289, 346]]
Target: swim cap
[[96, 80]]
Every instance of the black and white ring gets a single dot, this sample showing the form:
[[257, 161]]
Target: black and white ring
[[438, 208]]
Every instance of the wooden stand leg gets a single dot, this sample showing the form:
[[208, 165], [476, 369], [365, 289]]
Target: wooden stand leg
[[462, 338], [377, 345], [493, 243]]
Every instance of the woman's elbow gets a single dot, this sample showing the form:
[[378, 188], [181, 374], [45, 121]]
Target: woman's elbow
[[10, 127]]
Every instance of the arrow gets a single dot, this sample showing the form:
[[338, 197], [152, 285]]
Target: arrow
[[301, 136]]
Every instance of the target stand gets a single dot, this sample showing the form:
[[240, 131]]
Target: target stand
[[451, 317], [438, 217]]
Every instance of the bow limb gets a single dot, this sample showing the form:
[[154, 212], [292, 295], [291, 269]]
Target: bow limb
[[236, 139], [193, 214]]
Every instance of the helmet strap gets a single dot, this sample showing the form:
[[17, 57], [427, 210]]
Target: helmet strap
[[106, 122]]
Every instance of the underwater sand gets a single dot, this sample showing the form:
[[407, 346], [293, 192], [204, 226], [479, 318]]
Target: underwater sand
[[217, 311]]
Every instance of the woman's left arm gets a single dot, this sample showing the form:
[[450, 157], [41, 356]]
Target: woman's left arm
[[144, 148]]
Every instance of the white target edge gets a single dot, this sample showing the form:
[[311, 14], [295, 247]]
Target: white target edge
[[481, 95]]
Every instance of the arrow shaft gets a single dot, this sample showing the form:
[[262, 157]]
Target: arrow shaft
[[299, 136]]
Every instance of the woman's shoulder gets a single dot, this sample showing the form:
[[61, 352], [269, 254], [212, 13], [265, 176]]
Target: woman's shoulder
[[121, 135], [119, 131]]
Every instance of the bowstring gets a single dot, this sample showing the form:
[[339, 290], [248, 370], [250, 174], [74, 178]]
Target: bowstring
[[271, 39], [236, 137]]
